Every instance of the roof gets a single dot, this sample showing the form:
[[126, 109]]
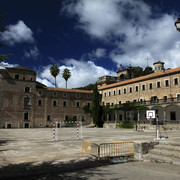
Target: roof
[[142, 78], [19, 69], [158, 62], [67, 90]]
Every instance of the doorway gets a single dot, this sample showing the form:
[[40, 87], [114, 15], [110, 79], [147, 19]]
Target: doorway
[[26, 125], [172, 115], [9, 126]]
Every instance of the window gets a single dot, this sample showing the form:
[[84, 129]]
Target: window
[[124, 91], [166, 83], [65, 94], [114, 93], [66, 118], [112, 104], [150, 86], [39, 102], [48, 118], [54, 93], [26, 101], [39, 92], [134, 100], [104, 94], [31, 79], [26, 116], [141, 101], [107, 104], [119, 92], [27, 89], [137, 88], [64, 104], [143, 87], [127, 101], [130, 89], [78, 95], [119, 102], [77, 104], [165, 98], [24, 78], [88, 96], [89, 104], [16, 76], [54, 103], [158, 84], [175, 81], [178, 96], [109, 93]]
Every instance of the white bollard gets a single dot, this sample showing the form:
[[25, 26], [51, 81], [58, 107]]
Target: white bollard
[[56, 132]]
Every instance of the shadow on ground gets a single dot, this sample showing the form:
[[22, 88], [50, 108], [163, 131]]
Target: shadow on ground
[[54, 170]]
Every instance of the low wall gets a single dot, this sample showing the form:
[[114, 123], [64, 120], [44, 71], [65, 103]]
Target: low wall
[[142, 148]]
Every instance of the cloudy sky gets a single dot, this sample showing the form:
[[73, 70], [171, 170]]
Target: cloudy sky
[[90, 37]]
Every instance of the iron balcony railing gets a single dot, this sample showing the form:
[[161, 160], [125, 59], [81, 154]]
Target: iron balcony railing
[[150, 102]]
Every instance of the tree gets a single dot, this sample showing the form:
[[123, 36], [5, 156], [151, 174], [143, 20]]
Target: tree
[[148, 70], [88, 87], [66, 75], [3, 57], [96, 109], [54, 69], [137, 71]]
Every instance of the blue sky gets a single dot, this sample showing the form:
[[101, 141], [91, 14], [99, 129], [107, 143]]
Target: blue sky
[[90, 37]]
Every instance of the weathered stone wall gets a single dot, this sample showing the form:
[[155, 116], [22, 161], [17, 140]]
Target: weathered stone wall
[[143, 148], [18, 84]]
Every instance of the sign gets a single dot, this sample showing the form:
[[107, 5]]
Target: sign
[[150, 114]]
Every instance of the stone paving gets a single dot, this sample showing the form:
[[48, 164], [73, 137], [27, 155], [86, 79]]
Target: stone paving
[[35, 146]]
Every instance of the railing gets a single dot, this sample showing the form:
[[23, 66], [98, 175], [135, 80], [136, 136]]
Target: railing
[[108, 150], [116, 149], [151, 102], [90, 148], [160, 101]]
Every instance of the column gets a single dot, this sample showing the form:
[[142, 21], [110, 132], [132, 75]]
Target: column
[[116, 118], [164, 115], [107, 118]]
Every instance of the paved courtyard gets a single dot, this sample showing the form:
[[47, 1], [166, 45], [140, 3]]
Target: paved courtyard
[[35, 146]]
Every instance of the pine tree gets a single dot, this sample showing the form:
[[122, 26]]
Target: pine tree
[[96, 109]]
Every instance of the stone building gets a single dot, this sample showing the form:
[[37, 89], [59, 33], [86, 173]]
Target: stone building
[[25, 103], [158, 91]]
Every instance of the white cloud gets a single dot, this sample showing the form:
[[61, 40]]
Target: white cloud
[[32, 53], [17, 33], [82, 74], [133, 27], [4, 65], [99, 52]]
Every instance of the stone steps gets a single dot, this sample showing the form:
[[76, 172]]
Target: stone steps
[[164, 152]]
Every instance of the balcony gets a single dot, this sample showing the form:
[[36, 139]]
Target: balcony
[[106, 80], [150, 103], [27, 106]]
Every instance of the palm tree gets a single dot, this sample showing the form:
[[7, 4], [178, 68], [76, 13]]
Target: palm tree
[[54, 69], [66, 75]]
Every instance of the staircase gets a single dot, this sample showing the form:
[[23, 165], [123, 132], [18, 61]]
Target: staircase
[[164, 152]]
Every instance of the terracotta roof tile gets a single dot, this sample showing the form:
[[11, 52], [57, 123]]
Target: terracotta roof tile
[[68, 90], [142, 78]]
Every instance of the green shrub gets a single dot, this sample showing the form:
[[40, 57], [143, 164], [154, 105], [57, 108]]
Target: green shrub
[[126, 124]]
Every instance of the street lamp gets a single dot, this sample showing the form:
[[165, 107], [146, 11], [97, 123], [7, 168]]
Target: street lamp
[[177, 24]]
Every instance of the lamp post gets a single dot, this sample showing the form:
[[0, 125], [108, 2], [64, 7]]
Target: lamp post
[[177, 24]]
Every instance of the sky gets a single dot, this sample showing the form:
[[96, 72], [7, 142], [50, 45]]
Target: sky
[[89, 37]]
